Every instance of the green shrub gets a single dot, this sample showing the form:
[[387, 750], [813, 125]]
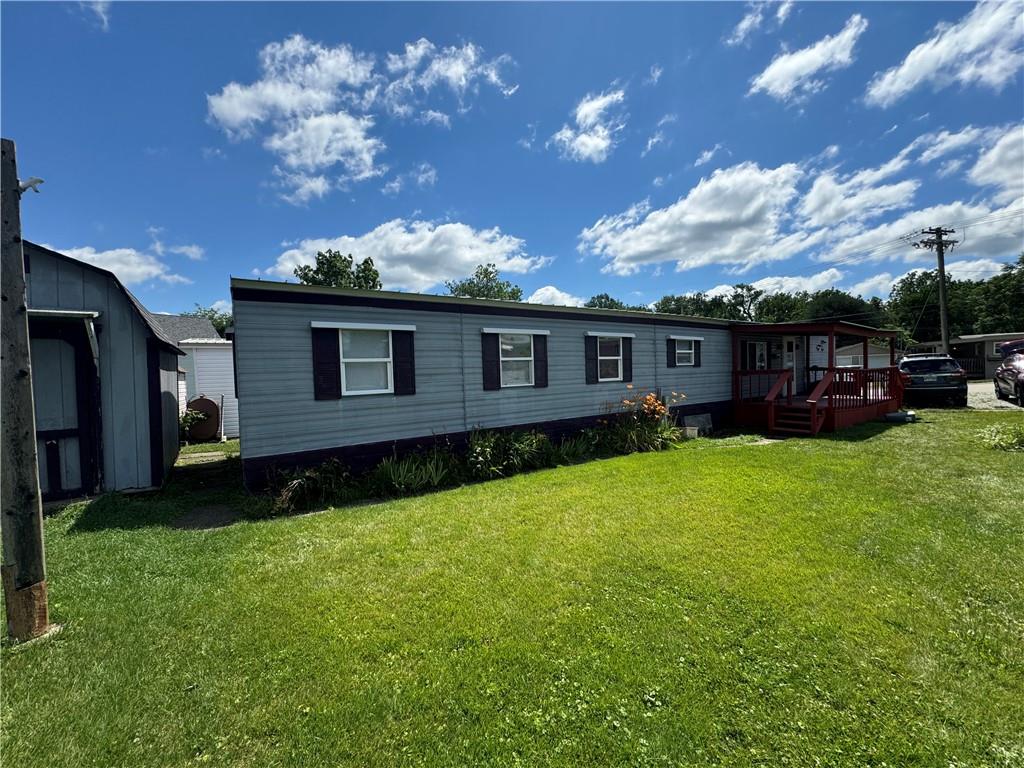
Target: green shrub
[[500, 454], [415, 473], [313, 487], [1004, 437], [187, 420], [573, 450]]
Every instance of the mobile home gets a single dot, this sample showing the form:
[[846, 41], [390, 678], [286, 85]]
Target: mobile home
[[326, 372]]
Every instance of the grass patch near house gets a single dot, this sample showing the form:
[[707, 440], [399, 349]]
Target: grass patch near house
[[855, 599], [226, 447]]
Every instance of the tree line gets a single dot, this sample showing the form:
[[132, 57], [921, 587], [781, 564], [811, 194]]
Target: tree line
[[995, 305]]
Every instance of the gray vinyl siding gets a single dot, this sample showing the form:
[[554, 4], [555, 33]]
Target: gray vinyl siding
[[122, 336], [278, 413]]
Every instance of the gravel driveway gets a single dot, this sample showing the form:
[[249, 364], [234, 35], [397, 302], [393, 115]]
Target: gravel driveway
[[981, 396]]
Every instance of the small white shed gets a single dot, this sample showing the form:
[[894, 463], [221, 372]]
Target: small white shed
[[206, 366], [212, 375]]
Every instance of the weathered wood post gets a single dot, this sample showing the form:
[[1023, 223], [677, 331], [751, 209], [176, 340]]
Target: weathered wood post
[[21, 523]]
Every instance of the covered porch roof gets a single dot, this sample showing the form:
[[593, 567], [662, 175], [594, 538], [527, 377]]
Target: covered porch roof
[[818, 328]]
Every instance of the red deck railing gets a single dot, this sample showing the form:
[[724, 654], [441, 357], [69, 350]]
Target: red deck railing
[[840, 389]]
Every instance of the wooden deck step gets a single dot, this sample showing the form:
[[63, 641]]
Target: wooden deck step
[[793, 420]]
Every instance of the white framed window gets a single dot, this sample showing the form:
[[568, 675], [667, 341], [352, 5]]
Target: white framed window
[[366, 364], [609, 358], [684, 351], [995, 348], [516, 359]]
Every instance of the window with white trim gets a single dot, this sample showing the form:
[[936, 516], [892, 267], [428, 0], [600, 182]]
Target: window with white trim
[[684, 351], [996, 352], [366, 364], [516, 356], [609, 358]]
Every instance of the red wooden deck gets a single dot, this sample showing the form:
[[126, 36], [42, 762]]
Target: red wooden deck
[[824, 398]]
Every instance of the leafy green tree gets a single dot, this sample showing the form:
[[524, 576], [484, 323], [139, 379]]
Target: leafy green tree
[[913, 305], [833, 304], [221, 320], [999, 301], [781, 307], [698, 305], [485, 283], [744, 299], [604, 301], [337, 271]]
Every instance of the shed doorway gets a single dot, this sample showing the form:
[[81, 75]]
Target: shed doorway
[[66, 395]]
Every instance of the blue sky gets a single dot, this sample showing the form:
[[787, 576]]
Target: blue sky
[[584, 148]]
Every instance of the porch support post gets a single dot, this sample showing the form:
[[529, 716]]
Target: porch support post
[[864, 356], [831, 349], [735, 365], [892, 351]]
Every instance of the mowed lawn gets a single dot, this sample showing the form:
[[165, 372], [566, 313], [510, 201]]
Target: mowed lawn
[[856, 600]]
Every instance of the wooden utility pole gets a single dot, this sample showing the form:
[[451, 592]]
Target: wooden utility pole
[[936, 240], [21, 523]]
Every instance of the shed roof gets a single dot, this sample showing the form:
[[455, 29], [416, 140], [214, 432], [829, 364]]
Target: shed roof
[[144, 314], [181, 327]]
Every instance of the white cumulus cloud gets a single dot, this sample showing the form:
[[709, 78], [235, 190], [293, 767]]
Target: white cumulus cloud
[[314, 105], [415, 255], [131, 266], [598, 121], [983, 48], [795, 75], [735, 217], [549, 294], [786, 283], [1002, 166]]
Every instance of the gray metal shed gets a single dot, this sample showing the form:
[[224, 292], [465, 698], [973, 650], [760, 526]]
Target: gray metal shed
[[104, 376]]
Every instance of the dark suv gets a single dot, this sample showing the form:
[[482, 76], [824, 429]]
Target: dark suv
[[934, 376]]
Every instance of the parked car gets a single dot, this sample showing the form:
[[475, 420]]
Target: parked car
[[1008, 348], [934, 376], [1009, 378]]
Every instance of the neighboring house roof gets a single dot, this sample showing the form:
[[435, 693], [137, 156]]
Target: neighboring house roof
[[144, 314], [977, 337], [181, 327], [990, 336]]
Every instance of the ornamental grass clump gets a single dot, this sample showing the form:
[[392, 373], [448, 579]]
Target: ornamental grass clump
[[311, 487], [415, 473]]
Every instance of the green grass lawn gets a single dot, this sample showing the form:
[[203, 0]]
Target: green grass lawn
[[856, 600], [227, 446]]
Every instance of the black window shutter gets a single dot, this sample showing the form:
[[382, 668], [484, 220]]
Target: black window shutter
[[403, 356], [671, 347], [491, 360], [627, 359], [540, 360], [696, 354], [326, 364], [590, 358]]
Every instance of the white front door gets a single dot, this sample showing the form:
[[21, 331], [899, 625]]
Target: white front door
[[789, 352]]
